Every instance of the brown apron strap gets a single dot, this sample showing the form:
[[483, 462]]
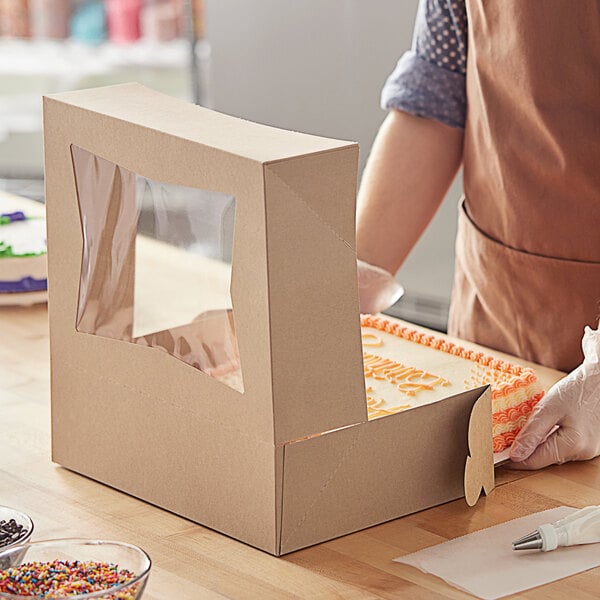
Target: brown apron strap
[[524, 304]]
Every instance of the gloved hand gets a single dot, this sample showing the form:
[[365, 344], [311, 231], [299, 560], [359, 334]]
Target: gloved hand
[[377, 289], [572, 404]]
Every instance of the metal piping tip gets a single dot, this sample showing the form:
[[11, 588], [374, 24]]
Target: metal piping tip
[[531, 541], [530, 536], [531, 545]]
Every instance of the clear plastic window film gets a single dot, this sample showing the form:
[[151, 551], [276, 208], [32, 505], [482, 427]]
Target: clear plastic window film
[[156, 266]]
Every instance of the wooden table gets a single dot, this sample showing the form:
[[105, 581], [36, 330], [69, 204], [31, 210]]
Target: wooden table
[[191, 562]]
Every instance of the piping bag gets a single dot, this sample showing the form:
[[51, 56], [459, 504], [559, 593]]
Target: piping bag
[[580, 527]]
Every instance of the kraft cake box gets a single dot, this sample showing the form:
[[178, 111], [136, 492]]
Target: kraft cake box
[[205, 331]]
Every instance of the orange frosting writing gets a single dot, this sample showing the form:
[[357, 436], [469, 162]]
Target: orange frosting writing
[[375, 410], [370, 339], [408, 380]]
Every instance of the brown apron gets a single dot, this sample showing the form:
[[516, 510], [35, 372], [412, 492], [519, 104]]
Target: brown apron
[[527, 276]]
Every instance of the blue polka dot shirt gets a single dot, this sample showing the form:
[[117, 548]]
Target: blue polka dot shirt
[[430, 80]]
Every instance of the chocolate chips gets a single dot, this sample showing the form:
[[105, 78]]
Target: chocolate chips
[[11, 532]]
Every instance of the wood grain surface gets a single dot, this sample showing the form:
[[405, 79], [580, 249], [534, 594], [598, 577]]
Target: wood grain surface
[[191, 562]]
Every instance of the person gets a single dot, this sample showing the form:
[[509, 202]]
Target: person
[[509, 90]]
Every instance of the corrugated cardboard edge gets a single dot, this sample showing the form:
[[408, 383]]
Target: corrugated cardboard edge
[[479, 466]]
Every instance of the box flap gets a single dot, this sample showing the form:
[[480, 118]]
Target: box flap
[[318, 381], [363, 475], [479, 468]]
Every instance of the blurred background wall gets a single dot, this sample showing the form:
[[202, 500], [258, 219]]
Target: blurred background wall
[[318, 66], [315, 66]]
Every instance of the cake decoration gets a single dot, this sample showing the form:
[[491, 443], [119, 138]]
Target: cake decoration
[[370, 339], [401, 376], [68, 578], [23, 272], [11, 532], [408, 380]]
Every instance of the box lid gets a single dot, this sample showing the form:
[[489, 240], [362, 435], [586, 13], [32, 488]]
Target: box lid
[[293, 285], [142, 106]]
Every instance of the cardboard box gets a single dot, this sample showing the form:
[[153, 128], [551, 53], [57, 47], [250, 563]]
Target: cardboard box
[[293, 460]]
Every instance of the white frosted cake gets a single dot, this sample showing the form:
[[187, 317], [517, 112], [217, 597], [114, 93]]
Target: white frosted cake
[[405, 368], [23, 270]]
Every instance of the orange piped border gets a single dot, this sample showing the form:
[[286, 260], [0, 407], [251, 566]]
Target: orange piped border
[[502, 441], [525, 375], [513, 413], [519, 377]]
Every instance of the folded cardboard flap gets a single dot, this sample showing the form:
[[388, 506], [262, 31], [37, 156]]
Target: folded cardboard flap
[[479, 466], [292, 460], [359, 476]]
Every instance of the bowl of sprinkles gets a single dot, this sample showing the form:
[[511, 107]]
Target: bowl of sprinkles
[[15, 527], [74, 568]]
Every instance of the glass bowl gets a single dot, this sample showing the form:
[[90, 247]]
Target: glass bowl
[[122, 568], [16, 527]]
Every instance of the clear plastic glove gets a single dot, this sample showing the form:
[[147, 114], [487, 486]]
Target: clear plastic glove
[[565, 424], [377, 289]]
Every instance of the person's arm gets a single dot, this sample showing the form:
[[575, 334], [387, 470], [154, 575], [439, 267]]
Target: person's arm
[[417, 151], [411, 166]]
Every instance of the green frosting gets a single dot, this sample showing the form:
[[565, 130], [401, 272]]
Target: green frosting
[[6, 251]]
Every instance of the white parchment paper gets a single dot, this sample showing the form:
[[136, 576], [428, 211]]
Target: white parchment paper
[[484, 564]]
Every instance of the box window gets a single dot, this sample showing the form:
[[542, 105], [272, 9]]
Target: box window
[[156, 266]]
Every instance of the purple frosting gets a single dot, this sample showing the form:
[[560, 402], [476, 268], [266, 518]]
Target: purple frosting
[[27, 284], [14, 216]]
